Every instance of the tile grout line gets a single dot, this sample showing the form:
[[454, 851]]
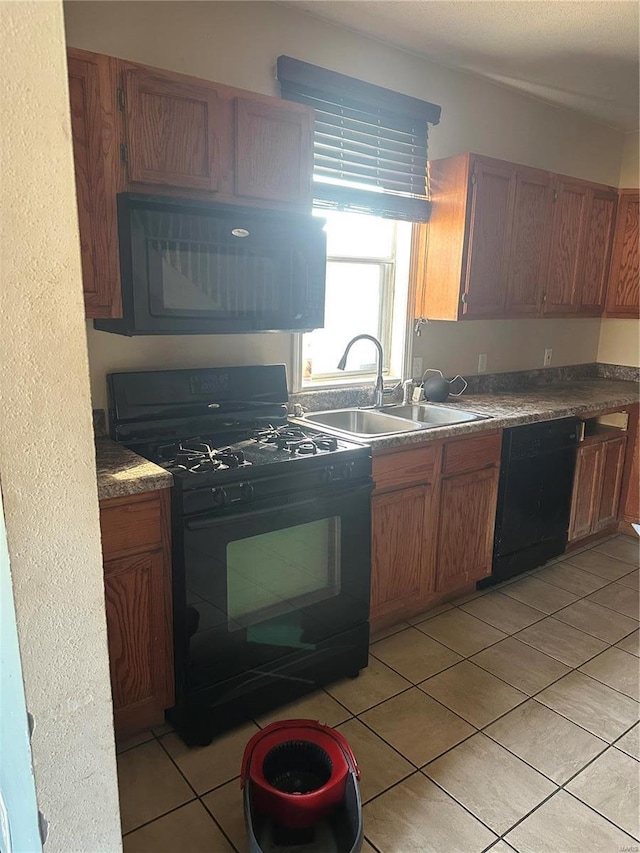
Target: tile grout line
[[164, 814]]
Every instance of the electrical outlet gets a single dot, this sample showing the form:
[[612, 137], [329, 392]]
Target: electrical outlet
[[547, 357], [482, 362], [416, 370]]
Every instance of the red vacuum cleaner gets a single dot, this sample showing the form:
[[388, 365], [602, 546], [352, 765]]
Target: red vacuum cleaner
[[300, 782]]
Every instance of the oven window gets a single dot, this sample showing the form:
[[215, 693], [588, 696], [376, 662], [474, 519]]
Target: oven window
[[282, 571]]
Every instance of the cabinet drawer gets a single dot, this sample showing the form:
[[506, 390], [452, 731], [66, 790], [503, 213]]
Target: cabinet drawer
[[405, 468], [130, 524], [472, 454]]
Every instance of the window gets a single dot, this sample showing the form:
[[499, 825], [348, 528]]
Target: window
[[367, 283]]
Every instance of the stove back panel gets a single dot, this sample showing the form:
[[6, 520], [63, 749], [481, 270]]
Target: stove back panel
[[150, 405]]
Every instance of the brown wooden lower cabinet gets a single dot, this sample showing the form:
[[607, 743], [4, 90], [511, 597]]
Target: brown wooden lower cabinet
[[585, 491], [399, 550], [467, 512], [433, 518], [597, 485], [137, 581], [632, 504]]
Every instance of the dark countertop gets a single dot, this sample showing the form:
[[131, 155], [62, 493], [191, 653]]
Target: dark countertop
[[512, 408], [121, 472]]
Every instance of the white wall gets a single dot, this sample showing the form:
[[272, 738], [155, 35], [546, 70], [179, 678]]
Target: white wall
[[619, 341], [237, 43], [47, 457], [508, 344]]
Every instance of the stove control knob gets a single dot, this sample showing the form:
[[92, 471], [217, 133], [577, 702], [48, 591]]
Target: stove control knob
[[219, 497], [246, 491]]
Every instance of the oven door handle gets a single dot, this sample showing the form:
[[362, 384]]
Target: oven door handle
[[202, 523]]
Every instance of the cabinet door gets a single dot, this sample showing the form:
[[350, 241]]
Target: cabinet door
[[596, 252], [93, 132], [623, 296], [273, 151], [467, 515], [586, 487], [569, 221], [611, 469], [488, 242], [532, 215], [171, 130], [632, 502], [399, 549], [140, 656]]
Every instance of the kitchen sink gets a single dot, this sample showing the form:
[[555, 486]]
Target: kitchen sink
[[431, 416], [360, 422]]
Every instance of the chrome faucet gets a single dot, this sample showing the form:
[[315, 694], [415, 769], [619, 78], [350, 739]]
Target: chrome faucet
[[379, 386]]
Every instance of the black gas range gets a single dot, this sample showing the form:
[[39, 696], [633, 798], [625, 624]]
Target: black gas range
[[271, 539]]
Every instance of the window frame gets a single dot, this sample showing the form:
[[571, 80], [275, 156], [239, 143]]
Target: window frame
[[389, 306]]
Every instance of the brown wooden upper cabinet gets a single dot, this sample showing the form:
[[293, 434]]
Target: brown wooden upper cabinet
[[144, 129], [511, 241], [273, 150], [531, 230], [205, 139], [93, 128], [623, 295], [171, 127], [582, 233]]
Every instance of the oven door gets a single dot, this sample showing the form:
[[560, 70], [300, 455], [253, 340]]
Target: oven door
[[267, 582]]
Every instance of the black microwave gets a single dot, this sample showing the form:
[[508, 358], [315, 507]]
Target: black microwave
[[190, 267]]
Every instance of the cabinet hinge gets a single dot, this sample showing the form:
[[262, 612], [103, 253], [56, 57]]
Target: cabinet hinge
[[124, 153], [121, 99]]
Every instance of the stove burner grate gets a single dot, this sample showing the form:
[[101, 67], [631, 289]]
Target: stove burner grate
[[295, 440], [199, 457]]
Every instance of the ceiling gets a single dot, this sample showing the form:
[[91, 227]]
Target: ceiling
[[582, 55]]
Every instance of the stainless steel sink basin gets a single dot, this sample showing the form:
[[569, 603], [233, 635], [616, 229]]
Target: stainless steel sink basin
[[429, 415], [360, 422], [363, 423]]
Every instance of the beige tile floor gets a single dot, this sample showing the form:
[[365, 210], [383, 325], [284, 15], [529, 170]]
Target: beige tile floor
[[506, 721]]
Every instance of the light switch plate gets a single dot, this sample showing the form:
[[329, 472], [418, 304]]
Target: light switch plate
[[416, 369], [482, 362], [547, 357]]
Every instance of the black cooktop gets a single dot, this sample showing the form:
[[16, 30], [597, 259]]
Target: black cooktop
[[283, 443], [218, 425]]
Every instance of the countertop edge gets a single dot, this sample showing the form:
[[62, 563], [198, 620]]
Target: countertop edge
[[121, 472]]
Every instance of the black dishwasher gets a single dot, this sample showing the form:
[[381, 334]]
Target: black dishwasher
[[534, 495]]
